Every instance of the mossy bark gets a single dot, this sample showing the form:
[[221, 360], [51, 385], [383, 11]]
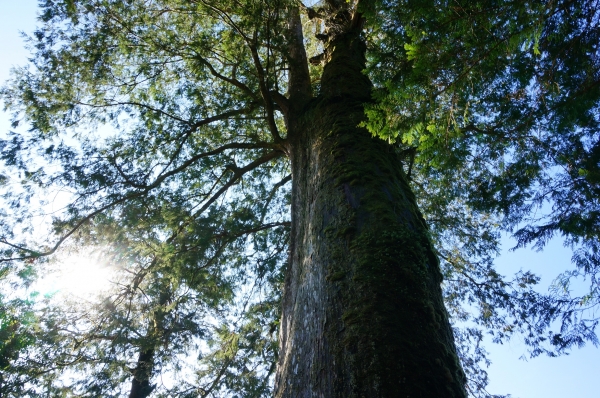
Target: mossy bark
[[362, 312]]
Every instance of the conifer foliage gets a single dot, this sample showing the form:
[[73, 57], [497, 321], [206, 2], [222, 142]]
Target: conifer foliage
[[161, 131]]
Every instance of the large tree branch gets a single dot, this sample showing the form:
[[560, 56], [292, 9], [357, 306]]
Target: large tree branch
[[272, 195], [238, 173], [194, 126], [221, 149], [229, 80], [264, 90], [137, 104], [299, 88], [226, 18], [200, 123], [228, 237]]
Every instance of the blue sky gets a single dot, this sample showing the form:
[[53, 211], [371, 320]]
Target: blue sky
[[574, 375], [568, 376]]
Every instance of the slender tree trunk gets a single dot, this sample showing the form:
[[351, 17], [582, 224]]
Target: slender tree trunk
[[142, 374], [140, 385], [362, 312]]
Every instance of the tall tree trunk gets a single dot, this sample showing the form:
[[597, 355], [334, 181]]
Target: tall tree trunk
[[363, 314]]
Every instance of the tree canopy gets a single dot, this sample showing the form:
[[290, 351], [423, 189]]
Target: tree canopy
[[161, 125]]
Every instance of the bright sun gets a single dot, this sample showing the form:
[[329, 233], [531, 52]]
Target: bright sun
[[82, 275]]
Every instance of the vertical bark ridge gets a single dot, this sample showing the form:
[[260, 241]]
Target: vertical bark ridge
[[362, 311]]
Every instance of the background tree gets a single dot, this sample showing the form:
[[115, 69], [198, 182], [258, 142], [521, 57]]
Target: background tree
[[482, 102]]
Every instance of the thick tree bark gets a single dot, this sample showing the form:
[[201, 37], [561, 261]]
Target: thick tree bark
[[362, 311]]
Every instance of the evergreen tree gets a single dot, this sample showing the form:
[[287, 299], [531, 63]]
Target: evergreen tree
[[263, 173]]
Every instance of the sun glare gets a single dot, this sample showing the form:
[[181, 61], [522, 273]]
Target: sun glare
[[81, 275]]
